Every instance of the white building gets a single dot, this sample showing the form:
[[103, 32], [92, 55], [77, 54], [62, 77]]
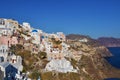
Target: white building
[[48, 46], [10, 70], [61, 36], [12, 24], [4, 29], [52, 35], [4, 51], [26, 37], [63, 66], [83, 40], [12, 65], [8, 26], [65, 49], [35, 34], [26, 26]]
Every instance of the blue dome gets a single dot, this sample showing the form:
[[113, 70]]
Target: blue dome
[[34, 31]]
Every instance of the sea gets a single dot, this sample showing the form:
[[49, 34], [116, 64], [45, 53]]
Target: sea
[[114, 60]]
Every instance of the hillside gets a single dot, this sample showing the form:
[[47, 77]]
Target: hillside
[[109, 41], [76, 36], [91, 64], [95, 64], [103, 41]]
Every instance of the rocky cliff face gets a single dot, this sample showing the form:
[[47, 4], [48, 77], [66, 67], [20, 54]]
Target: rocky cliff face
[[92, 65], [103, 41], [109, 41], [76, 36]]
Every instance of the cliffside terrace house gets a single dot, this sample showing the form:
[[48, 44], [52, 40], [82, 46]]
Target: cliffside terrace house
[[42, 47], [61, 36], [65, 49], [9, 70], [21, 40], [35, 48], [36, 35], [11, 67], [16, 61], [65, 46], [26, 26], [48, 46], [53, 36], [83, 40], [5, 43], [44, 37], [3, 52], [55, 53], [8, 27], [58, 36], [29, 44], [4, 29], [13, 25], [26, 42], [27, 38], [8, 41]]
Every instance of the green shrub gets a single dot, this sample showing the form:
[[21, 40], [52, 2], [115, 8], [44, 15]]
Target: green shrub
[[34, 75], [42, 55]]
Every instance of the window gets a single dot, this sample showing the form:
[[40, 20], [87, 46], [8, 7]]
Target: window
[[2, 22], [3, 50]]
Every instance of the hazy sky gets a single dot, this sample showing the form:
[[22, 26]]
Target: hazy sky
[[90, 17]]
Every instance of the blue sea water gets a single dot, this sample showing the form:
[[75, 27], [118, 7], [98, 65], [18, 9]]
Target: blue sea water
[[115, 59], [112, 79]]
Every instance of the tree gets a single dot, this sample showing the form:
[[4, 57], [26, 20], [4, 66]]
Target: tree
[[16, 49], [42, 55]]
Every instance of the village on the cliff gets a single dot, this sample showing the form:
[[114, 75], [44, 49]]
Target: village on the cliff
[[35, 40]]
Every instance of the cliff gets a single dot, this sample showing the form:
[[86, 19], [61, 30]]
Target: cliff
[[103, 41], [109, 41], [86, 57], [91, 64], [76, 36]]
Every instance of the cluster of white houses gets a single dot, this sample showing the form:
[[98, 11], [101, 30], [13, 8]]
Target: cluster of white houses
[[12, 33], [10, 64]]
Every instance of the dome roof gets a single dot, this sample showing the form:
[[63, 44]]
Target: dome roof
[[34, 30]]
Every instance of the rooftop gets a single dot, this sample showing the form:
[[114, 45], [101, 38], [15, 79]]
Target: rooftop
[[4, 64], [34, 30]]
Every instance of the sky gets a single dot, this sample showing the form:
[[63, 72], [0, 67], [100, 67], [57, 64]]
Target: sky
[[95, 18]]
